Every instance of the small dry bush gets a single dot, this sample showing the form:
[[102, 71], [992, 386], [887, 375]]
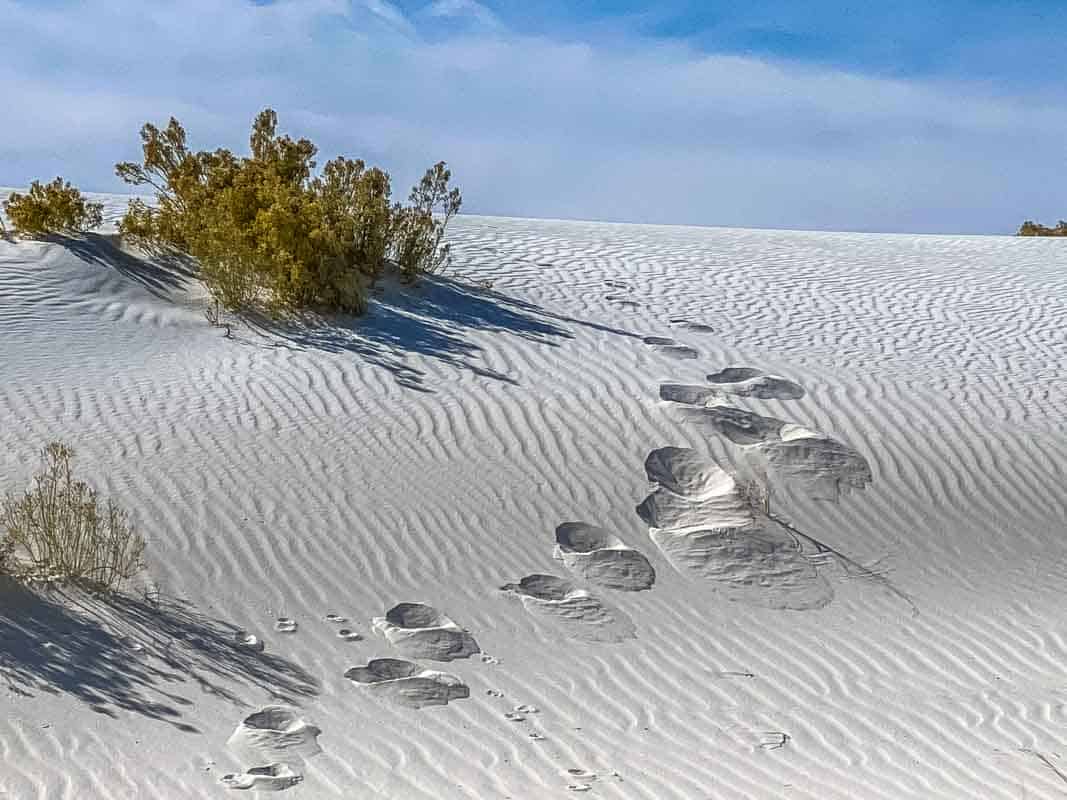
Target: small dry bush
[[55, 207], [60, 530]]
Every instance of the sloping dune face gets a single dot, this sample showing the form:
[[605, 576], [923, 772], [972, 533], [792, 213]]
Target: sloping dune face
[[409, 464]]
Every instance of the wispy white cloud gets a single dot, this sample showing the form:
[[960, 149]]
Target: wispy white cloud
[[465, 9], [636, 129], [390, 14]]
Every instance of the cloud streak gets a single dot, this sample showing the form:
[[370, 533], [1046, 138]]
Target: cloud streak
[[632, 129]]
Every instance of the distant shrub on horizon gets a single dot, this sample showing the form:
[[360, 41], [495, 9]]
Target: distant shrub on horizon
[[266, 230], [56, 207], [1030, 228]]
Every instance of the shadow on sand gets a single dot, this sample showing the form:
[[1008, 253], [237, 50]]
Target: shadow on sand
[[160, 272], [433, 320], [117, 652]]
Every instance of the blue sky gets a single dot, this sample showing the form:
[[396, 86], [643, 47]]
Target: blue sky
[[907, 116]]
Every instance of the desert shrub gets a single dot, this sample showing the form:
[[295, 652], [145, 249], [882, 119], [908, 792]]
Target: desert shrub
[[1030, 228], [267, 230], [59, 529], [55, 207], [417, 234]]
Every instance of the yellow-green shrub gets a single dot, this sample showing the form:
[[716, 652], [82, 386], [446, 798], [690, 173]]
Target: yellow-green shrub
[[55, 207], [1030, 228], [266, 230], [417, 235]]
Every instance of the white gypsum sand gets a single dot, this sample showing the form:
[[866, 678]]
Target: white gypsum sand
[[429, 451]]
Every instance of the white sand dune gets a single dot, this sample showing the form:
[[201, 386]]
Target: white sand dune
[[430, 451]]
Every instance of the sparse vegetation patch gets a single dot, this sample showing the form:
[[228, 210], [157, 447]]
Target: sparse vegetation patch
[[60, 530]]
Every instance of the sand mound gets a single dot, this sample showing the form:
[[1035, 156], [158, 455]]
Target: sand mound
[[408, 684], [576, 611], [686, 472], [276, 733], [702, 521], [421, 631], [602, 558]]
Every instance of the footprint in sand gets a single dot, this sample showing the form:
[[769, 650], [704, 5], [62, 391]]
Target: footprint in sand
[[821, 465], [578, 613], [584, 779], [285, 625], [276, 733], [408, 684], [669, 347], [695, 327], [421, 631], [602, 558], [687, 394], [581, 774], [751, 382], [336, 619], [248, 641], [757, 386], [513, 717], [704, 523], [271, 778], [774, 740]]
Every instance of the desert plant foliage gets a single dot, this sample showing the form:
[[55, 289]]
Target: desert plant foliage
[[269, 230], [1030, 228], [55, 207], [59, 529]]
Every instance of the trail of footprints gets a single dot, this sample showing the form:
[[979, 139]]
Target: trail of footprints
[[708, 522]]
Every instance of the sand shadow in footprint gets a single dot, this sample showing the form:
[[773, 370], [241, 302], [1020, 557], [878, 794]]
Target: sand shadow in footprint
[[406, 683], [600, 557], [577, 612], [275, 733], [670, 348], [819, 464], [751, 382], [689, 325], [706, 526], [418, 630]]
